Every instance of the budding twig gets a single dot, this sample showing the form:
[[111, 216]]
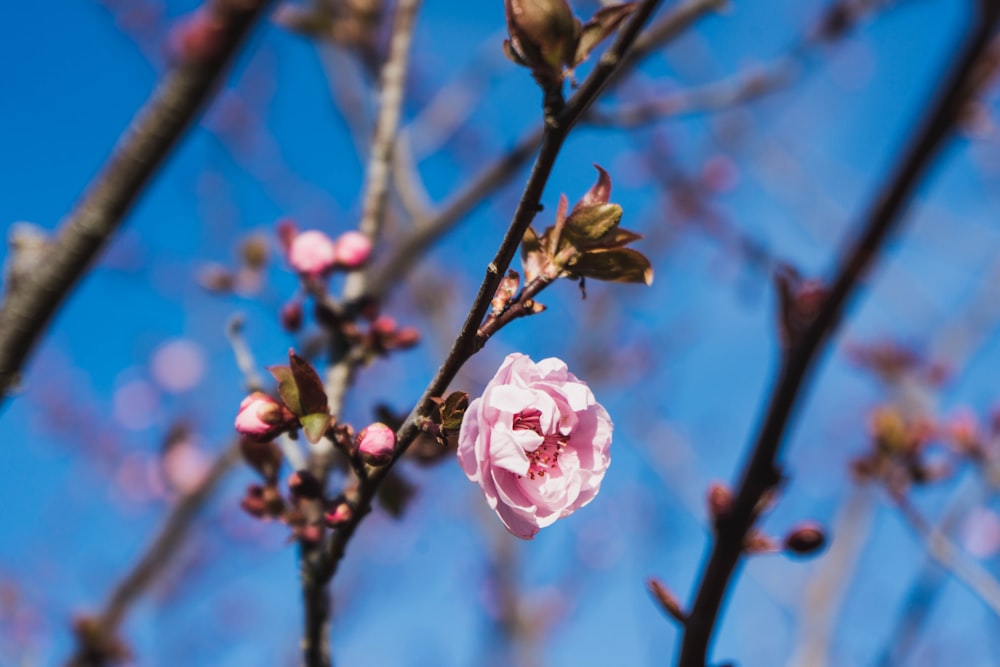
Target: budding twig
[[759, 473], [144, 146]]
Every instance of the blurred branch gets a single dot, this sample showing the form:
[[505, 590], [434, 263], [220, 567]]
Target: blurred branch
[[761, 472], [825, 593], [316, 600], [716, 96], [976, 578], [101, 629], [465, 344], [412, 247], [140, 152]]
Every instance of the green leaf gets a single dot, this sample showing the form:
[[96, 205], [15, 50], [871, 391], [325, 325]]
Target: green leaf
[[453, 410], [314, 426], [288, 390], [590, 223], [620, 265], [312, 396]]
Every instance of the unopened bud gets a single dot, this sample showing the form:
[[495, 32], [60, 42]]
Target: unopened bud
[[376, 444], [505, 292], [262, 418], [339, 515], [304, 484], [253, 252], [197, 37], [291, 316], [287, 230], [312, 253], [666, 599], [805, 539], [353, 249], [253, 501], [757, 542], [543, 36], [404, 338], [720, 500], [311, 533]]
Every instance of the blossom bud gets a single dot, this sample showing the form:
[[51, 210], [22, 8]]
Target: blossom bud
[[405, 338], [384, 326], [376, 444], [261, 417], [287, 230], [667, 600], [543, 36], [339, 515], [720, 500], [312, 253], [353, 249], [310, 533], [254, 501], [303, 484], [197, 37], [291, 316], [805, 539], [757, 542]]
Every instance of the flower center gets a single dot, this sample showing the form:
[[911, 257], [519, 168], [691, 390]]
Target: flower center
[[545, 458]]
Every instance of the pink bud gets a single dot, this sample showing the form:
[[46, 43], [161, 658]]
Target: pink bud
[[405, 338], [353, 249], [261, 417], [312, 253], [339, 515], [304, 484], [287, 231], [291, 316], [384, 325], [376, 444], [197, 37], [806, 538]]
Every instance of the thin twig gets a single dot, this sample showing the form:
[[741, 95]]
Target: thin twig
[[153, 133], [760, 472], [316, 650], [465, 344], [155, 559], [975, 577], [405, 255], [393, 84]]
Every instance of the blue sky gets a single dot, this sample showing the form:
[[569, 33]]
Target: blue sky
[[809, 158]]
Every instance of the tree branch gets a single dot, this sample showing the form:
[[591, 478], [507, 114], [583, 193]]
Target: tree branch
[[102, 628], [760, 472], [404, 256], [145, 145], [465, 344]]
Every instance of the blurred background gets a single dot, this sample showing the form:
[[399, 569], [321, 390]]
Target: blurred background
[[771, 125]]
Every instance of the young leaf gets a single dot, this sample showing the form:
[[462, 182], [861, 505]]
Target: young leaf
[[314, 425], [590, 223], [604, 22], [288, 389], [312, 396], [620, 265]]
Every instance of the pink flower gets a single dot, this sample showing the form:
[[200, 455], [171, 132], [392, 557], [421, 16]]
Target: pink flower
[[261, 417], [537, 443], [312, 253], [376, 444], [353, 249]]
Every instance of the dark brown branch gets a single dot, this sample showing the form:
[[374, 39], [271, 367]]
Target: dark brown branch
[[156, 129], [557, 129], [760, 472], [409, 251], [104, 626]]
